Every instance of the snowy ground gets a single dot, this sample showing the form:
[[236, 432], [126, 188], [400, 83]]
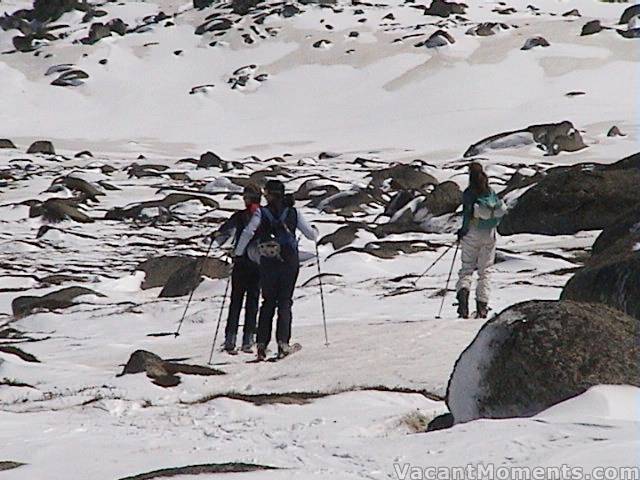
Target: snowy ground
[[389, 357]]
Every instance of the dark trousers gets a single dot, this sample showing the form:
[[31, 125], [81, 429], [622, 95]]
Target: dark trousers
[[245, 282], [278, 281]]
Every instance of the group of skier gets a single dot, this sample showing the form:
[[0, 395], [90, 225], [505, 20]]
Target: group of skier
[[266, 259]]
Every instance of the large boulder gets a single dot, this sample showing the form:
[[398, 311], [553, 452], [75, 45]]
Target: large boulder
[[570, 199], [629, 13], [61, 299], [539, 353], [612, 275], [445, 198]]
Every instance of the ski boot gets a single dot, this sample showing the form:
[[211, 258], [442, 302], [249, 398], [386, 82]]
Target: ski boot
[[283, 349], [463, 303], [482, 309], [262, 352]]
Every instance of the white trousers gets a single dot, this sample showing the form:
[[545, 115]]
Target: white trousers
[[478, 253]]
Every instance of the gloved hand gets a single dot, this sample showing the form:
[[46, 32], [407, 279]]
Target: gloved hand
[[461, 233]]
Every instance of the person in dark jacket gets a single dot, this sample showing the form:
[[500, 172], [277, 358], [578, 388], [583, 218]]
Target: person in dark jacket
[[245, 277], [274, 228]]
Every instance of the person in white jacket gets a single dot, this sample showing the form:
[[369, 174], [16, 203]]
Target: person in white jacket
[[271, 231], [482, 211]]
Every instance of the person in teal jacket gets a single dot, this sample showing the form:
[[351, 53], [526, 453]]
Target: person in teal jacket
[[481, 214]]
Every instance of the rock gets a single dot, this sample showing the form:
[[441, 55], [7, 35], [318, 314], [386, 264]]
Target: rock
[[572, 199], [136, 211], [72, 78], [612, 275], [202, 3], [629, 13], [591, 28], [210, 159], [9, 465], [23, 43], [6, 143], [290, 10], [97, 32], [438, 39], [117, 25], [442, 8], [322, 44], [81, 186], [535, 42], [630, 33], [341, 238], [163, 373], [185, 279], [572, 13], [243, 7], [346, 203], [402, 177], [52, 10], [159, 270], [315, 189], [445, 198], [615, 132], [61, 299], [539, 353], [214, 25], [59, 209], [42, 146], [553, 138], [24, 356], [441, 422], [486, 29], [397, 203]]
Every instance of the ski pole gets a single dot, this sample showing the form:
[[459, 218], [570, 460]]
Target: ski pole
[[197, 281], [324, 316], [446, 288], [224, 298], [415, 282]]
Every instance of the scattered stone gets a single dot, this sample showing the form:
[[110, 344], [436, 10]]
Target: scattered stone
[[487, 29], [72, 78], [572, 13], [11, 350], [539, 353], [615, 132], [442, 8], [211, 160], [591, 28], [342, 237], [6, 143], [57, 210], [202, 3], [160, 270], [97, 32], [322, 44], [214, 25], [187, 278], [9, 465], [438, 39], [209, 468], [163, 373], [290, 10], [574, 94], [65, 67], [84, 154], [42, 146], [59, 300], [535, 42], [104, 61], [117, 25], [441, 422], [402, 177]]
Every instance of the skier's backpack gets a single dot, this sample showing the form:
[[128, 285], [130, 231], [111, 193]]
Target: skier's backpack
[[279, 239], [489, 210]]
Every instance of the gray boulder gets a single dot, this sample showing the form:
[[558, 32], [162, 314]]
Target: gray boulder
[[6, 143], [591, 28], [536, 354], [612, 275], [629, 13], [61, 299], [402, 177], [42, 146], [535, 42], [168, 272], [571, 199]]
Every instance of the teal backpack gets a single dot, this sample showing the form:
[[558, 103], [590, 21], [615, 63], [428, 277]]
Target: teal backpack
[[488, 211]]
